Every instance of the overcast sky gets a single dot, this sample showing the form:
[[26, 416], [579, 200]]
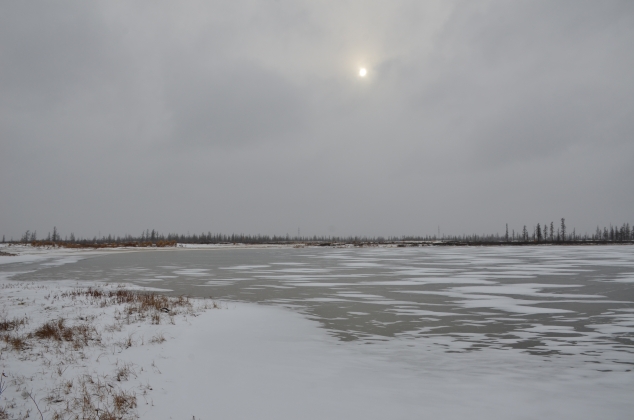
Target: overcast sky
[[250, 116]]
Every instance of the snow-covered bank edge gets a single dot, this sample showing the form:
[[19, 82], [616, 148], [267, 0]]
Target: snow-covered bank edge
[[64, 348], [21, 253]]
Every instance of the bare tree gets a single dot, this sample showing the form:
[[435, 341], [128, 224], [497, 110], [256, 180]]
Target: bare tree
[[552, 231]]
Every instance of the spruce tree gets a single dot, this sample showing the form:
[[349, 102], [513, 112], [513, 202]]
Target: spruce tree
[[552, 231]]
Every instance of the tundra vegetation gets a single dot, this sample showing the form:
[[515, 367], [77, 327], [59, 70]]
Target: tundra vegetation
[[63, 349]]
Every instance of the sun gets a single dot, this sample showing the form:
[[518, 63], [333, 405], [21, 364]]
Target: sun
[[363, 72]]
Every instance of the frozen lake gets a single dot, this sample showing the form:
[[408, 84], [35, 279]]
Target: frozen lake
[[546, 326], [548, 301]]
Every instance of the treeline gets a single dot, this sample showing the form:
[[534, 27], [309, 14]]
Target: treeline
[[546, 233], [152, 239]]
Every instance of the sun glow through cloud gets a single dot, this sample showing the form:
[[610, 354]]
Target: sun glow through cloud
[[363, 72]]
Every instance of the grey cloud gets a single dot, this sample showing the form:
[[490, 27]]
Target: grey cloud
[[249, 117], [49, 50], [531, 79], [232, 105]]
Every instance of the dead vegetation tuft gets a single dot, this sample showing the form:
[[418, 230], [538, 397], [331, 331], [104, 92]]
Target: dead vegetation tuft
[[94, 398], [158, 338], [15, 342], [140, 303], [12, 324], [79, 334], [54, 330], [124, 371]]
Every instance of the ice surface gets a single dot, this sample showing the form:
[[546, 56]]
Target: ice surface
[[193, 272], [255, 362], [536, 332]]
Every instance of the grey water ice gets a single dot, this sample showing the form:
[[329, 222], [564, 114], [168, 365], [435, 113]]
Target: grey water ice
[[550, 326], [547, 301]]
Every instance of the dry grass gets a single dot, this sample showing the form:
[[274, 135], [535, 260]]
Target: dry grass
[[95, 398], [137, 307], [136, 302], [158, 338], [57, 330], [124, 371], [54, 330], [64, 342], [15, 342], [12, 324]]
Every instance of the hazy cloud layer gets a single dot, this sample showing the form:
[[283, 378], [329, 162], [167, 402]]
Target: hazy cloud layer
[[249, 116]]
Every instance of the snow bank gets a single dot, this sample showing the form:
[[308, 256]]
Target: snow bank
[[262, 362]]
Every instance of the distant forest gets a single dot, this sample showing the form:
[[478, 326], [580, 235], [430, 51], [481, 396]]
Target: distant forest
[[547, 233]]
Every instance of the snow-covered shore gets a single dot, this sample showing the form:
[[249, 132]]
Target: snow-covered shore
[[240, 361], [64, 347]]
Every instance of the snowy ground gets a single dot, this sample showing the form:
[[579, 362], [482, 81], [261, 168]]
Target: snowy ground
[[65, 348], [251, 361]]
